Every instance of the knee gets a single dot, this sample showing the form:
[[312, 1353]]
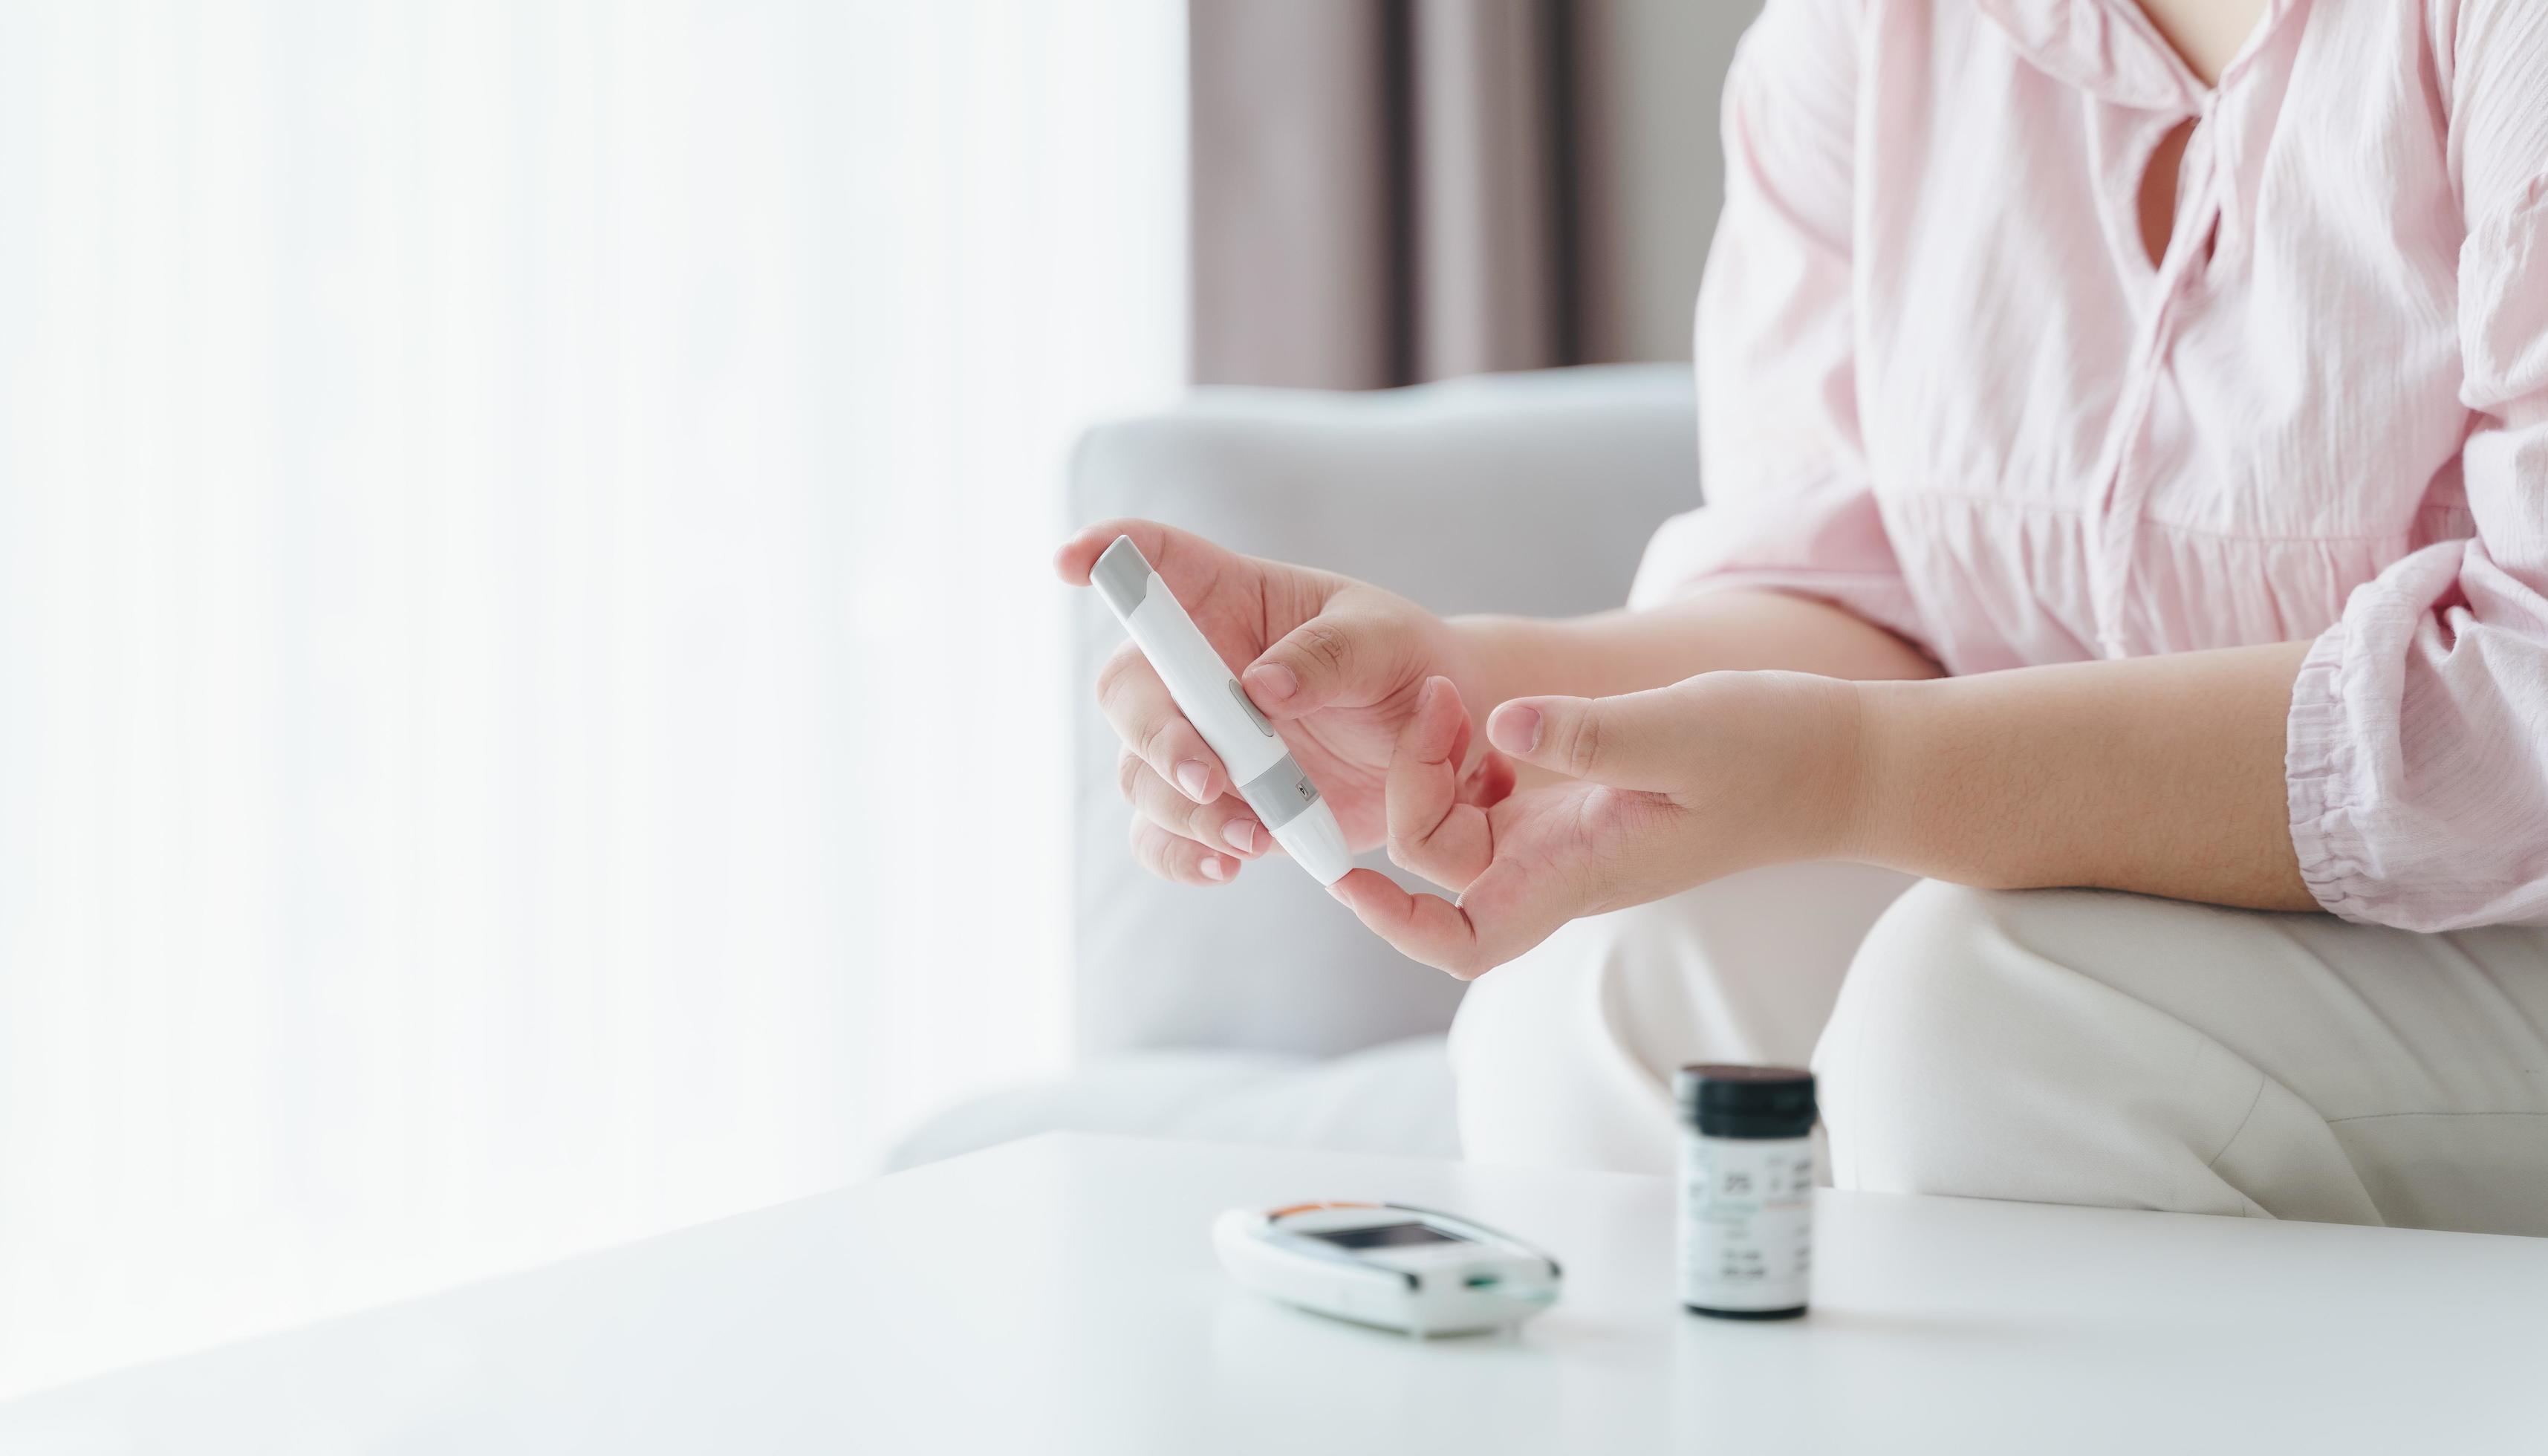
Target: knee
[[1937, 1036], [1744, 968], [1546, 1064], [1566, 1055], [1558, 1003], [2009, 1044]]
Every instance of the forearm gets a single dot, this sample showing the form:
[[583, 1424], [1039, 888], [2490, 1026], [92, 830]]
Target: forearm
[[1618, 651], [2162, 776]]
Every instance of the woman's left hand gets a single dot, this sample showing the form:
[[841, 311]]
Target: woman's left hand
[[1667, 790]]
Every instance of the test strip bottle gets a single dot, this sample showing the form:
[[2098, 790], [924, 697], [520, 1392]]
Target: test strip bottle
[[1747, 1190]]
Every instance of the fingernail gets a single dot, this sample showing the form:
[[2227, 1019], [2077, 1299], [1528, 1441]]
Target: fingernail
[[1242, 833], [1192, 775], [1515, 730], [1274, 683], [1212, 867]]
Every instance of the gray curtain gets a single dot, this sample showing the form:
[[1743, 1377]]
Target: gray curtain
[[1390, 191]]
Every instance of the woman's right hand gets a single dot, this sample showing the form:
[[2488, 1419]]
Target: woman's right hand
[[1335, 663]]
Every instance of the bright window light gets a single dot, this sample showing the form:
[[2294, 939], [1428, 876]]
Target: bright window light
[[528, 669]]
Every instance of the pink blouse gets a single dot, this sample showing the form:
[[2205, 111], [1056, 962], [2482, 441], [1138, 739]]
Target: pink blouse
[[1942, 384]]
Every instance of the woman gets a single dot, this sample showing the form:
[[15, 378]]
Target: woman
[[2126, 432]]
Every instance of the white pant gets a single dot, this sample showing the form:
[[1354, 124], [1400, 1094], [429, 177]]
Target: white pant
[[2054, 1045]]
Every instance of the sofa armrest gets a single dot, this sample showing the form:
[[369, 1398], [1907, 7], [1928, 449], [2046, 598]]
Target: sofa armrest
[[1527, 492]]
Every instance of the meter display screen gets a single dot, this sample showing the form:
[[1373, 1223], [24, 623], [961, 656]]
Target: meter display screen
[[1388, 1236]]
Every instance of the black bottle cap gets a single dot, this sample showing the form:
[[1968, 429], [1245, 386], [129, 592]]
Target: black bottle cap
[[1747, 1101]]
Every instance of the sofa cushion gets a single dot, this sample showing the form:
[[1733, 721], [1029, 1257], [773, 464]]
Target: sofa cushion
[[1394, 1098]]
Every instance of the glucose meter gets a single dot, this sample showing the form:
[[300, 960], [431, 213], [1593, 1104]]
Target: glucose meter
[[1387, 1264]]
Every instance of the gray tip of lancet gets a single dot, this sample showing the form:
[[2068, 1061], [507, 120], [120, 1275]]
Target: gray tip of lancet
[[1122, 576]]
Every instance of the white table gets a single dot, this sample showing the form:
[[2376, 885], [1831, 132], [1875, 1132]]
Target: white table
[[1060, 1295]]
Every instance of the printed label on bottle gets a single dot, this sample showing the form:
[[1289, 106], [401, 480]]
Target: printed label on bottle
[[1746, 1221]]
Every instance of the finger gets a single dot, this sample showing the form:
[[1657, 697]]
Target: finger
[[1187, 561], [1625, 742], [1502, 915], [1137, 706], [1335, 657], [1431, 830], [1227, 823], [1490, 783], [1427, 928], [1173, 857]]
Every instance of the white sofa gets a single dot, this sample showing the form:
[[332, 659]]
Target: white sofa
[[1262, 1011]]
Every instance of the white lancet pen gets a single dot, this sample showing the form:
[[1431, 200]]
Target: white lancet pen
[[1258, 761]]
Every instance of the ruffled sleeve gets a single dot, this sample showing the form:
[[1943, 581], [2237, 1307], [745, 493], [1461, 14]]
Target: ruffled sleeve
[[2416, 754], [1788, 502]]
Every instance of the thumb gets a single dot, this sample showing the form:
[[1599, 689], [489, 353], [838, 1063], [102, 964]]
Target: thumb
[[1632, 741], [1323, 659]]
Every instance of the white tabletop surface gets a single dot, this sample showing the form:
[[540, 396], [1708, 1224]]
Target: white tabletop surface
[[1060, 1295]]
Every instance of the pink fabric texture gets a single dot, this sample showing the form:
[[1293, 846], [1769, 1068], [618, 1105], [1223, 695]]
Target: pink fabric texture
[[1942, 383]]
